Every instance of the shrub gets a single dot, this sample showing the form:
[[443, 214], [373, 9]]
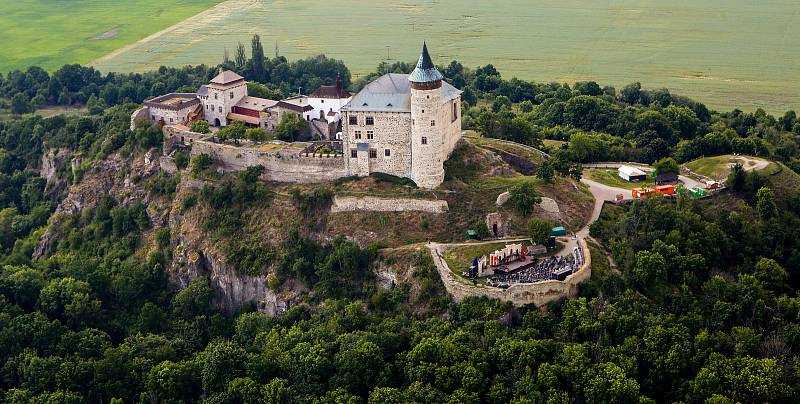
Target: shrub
[[523, 197], [200, 127]]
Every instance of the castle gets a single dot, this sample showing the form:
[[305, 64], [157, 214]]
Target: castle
[[403, 125]]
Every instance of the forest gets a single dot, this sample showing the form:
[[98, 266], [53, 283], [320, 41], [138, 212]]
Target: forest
[[701, 305]]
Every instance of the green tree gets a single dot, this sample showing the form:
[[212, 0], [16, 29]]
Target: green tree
[[291, 127], [201, 163], [257, 60], [666, 165], [234, 131], [650, 268], [546, 171], [221, 363], [766, 203], [524, 197], [200, 126], [20, 104], [539, 231], [241, 56]]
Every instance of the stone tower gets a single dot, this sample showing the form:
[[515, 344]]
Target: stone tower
[[427, 139]]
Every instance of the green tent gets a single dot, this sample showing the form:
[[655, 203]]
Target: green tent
[[558, 231]]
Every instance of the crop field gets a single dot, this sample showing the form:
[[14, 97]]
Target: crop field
[[727, 53], [50, 33]]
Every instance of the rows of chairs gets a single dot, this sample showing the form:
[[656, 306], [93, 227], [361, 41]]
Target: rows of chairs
[[544, 270]]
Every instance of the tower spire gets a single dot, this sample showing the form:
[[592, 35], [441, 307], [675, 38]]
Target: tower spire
[[426, 71]]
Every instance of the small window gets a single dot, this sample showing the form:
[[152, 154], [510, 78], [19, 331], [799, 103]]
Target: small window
[[424, 140], [220, 110], [170, 120], [358, 135], [353, 119], [231, 94], [216, 96], [433, 123], [353, 153], [370, 121], [387, 152], [373, 153], [370, 135], [322, 101]]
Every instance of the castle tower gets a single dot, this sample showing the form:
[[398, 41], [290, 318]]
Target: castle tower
[[427, 139]]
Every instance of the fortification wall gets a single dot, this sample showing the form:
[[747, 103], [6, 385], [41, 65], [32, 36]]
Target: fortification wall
[[537, 294], [277, 167], [139, 114], [374, 204]]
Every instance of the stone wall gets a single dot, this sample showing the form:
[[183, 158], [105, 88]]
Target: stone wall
[[288, 168], [139, 114], [537, 294], [391, 131], [374, 204]]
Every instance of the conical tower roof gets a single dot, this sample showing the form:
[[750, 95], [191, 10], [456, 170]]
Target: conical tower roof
[[426, 71]]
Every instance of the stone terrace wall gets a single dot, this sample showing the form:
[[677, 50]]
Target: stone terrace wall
[[278, 167], [537, 294], [374, 204]]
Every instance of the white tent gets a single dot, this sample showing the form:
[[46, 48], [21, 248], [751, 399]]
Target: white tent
[[629, 173]]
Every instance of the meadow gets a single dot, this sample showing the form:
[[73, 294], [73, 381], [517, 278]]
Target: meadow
[[50, 33], [727, 53]]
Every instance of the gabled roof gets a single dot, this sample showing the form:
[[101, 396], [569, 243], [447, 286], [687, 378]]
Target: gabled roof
[[336, 91], [226, 77], [425, 72], [255, 103], [391, 93]]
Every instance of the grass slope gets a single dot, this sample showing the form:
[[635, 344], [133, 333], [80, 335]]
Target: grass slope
[[611, 178], [718, 167], [50, 33]]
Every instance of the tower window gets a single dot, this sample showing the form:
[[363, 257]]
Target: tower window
[[424, 140], [353, 153], [216, 96], [387, 152], [220, 110], [370, 135], [373, 153], [358, 135], [370, 121], [231, 94], [433, 123], [353, 119]]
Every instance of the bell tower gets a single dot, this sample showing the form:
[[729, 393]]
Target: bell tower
[[427, 138]]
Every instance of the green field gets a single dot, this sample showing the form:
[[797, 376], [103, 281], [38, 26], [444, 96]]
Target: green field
[[611, 178], [718, 167], [726, 53], [50, 33]]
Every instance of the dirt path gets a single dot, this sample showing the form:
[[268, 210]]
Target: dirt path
[[208, 17]]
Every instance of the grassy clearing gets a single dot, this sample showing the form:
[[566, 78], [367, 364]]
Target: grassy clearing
[[556, 144], [51, 33], [611, 178], [744, 55], [718, 167]]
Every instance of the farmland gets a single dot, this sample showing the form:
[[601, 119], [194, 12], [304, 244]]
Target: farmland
[[726, 53], [50, 33]]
